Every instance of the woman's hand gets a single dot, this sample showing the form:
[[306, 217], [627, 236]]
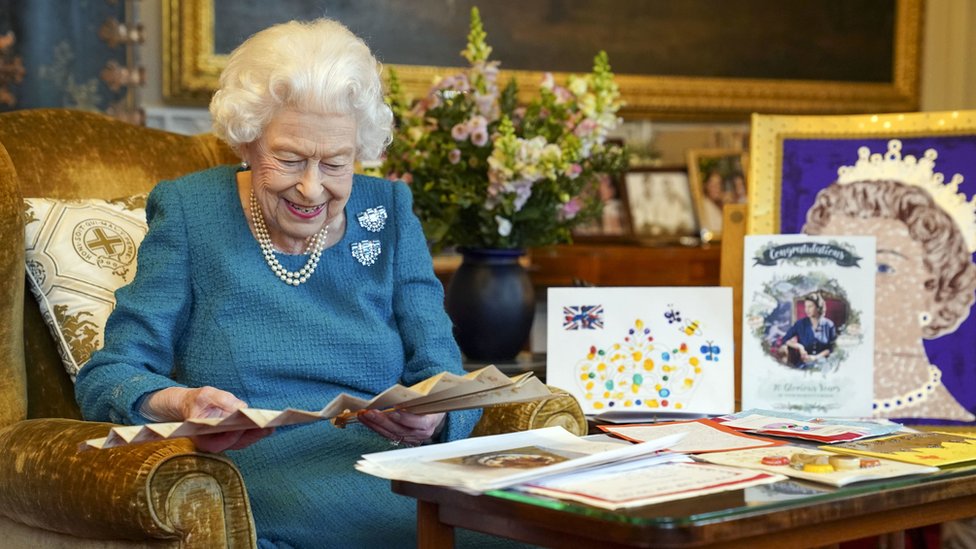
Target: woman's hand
[[179, 403], [403, 427]]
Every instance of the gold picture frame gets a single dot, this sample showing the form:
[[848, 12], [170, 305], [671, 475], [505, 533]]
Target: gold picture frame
[[191, 68], [796, 159], [717, 177], [770, 132]]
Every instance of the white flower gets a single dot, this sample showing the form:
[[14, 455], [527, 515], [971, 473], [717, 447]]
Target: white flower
[[504, 225]]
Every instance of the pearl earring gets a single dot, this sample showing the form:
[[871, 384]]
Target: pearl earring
[[245, 165], [924, 319]]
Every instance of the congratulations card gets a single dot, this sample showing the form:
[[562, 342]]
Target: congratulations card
[[654, 350], [808, 324]]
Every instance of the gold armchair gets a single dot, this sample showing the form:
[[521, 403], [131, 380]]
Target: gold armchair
[[161, 494]]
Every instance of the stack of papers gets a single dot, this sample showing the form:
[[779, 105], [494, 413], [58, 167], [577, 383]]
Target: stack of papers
[[701, 436], [632, 485], [444, 392], [480, 464], [554, 463], [798, 426]]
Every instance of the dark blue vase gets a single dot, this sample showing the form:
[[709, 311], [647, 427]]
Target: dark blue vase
[[491, 301]]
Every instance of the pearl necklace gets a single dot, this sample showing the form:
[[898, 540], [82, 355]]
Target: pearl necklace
[[314, 244]]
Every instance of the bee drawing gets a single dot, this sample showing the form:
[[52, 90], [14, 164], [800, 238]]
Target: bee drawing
[[692, 328]]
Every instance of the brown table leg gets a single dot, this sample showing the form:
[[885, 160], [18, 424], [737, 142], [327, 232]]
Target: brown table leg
[[431, 532]]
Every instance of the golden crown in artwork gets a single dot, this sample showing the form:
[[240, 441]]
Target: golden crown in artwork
[[918, 172]]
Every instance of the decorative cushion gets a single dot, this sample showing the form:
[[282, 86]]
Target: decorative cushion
[[78, 253]]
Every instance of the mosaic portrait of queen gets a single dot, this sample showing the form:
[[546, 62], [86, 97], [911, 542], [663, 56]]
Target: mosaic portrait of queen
[[926, 279]]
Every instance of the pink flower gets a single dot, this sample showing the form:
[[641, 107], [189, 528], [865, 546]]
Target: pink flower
[[454, 156], [573, 170], [518, 114], [571, 208], [407, 178], [585, 127], [479, 137], [460, 131], [562, 95]]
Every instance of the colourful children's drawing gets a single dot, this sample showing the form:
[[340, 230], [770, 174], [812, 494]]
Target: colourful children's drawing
[[639, 372], [650, 356]]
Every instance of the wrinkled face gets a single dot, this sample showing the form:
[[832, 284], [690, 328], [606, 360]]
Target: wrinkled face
[[301, 173], [900, 294]]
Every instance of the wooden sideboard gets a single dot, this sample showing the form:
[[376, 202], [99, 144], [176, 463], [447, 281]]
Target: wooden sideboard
[[611, 265], [624, 265]]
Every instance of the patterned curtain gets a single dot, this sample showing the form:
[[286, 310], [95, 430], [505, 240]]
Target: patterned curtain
[[51, 54]]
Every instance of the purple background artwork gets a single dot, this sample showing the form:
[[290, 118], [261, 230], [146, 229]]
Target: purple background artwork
[[811, 164]]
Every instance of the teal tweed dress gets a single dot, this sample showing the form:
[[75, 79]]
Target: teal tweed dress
[[205, 309]]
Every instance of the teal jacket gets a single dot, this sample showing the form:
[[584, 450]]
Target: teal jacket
[[205, 309]]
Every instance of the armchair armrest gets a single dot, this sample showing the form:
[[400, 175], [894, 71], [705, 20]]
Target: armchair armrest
[[163, 490], [561, 409]]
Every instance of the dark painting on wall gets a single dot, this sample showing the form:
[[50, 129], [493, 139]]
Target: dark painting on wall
[[678, 57], [661, 37]]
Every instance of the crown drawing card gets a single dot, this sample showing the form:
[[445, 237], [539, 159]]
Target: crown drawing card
[[642, 350], [808, 324]]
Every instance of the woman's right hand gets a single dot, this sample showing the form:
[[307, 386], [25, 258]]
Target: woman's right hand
[[180, 403]]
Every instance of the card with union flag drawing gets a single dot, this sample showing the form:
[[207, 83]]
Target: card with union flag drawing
[[653, 350]]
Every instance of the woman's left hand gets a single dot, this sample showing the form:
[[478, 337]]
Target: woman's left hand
[[403, 427]]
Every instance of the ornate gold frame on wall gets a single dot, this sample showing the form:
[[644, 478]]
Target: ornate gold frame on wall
[[769, 133], [191, 69]]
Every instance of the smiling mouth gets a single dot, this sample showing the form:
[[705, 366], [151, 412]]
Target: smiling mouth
[[306, 212]]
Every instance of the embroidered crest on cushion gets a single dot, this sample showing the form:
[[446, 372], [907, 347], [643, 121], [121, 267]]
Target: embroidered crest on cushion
[[78, 253]]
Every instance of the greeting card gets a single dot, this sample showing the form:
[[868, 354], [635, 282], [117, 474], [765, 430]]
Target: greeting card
[[642, 349], [808, 324]]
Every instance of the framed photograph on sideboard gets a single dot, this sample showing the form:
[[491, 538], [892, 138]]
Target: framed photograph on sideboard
[[718, 177], [613, 225], [906, 179], [661, 207]]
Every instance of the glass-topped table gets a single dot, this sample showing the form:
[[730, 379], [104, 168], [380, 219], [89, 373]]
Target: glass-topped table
[[787, 513]]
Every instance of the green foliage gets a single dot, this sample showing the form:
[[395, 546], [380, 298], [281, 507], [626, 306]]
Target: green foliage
[[488, 172]]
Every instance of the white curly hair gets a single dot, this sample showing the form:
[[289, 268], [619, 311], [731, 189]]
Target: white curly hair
[[318, 66]]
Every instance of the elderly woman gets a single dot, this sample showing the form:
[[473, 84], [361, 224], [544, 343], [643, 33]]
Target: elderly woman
[[282, 282], [811, 338], [924, 287]]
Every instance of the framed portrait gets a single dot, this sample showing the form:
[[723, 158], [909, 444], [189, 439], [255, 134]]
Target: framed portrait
[[799, 61], [613, 225], [718, 177], [660, 202], [905, 179]]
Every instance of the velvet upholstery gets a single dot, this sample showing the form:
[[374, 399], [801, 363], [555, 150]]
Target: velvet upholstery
[[161, 494]]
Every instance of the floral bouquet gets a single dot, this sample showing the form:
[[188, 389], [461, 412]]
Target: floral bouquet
[[487, 172]]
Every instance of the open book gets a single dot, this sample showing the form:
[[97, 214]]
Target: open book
[[444, 392]]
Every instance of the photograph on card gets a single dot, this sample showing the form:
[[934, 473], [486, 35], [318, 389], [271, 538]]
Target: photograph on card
[[528, 457], [642, 350], [808, 324]]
